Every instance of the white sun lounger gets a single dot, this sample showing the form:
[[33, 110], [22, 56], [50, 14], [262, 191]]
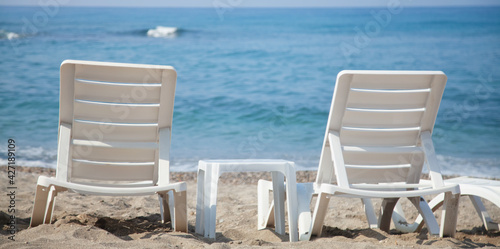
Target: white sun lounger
[[474, 188], [114, 137], [377, 140]]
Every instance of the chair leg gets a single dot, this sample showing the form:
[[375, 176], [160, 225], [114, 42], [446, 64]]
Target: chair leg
[[427, 215], [164, 207], [40, 206], [400, 222], [319, 214], [51, 199], [449, 215], [434, 204], [370, 213], [179, 221], [489, 224], [265, 210], [384, 220]]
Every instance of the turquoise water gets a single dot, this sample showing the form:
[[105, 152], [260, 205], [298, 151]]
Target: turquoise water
[[257, 83]]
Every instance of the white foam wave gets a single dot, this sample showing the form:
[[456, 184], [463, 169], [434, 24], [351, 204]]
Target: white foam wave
[[450, 165], [32, 157], [161, 31], [8, 35], [477, 167]]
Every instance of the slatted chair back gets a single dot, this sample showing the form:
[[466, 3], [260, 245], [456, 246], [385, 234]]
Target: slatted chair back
[[115, 122], [375, 127]]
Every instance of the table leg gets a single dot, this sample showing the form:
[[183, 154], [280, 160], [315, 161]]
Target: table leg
[[200, 197], [279, 201], [211, 210], [292, 202]]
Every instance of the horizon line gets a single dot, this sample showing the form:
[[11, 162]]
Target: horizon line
[[259, 7]]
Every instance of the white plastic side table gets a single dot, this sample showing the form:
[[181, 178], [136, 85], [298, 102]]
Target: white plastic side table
[[209, 172]]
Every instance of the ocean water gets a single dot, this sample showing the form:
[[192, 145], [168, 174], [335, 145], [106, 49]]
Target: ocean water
[[256, 83]]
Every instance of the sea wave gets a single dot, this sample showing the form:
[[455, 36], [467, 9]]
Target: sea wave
[[477, 167], [33, 157], [161, 31], [450, 165], [185, 161], [8, 35]]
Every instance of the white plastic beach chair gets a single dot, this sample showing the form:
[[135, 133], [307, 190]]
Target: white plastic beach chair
[[474, 188], [114, 137], [377, 140]]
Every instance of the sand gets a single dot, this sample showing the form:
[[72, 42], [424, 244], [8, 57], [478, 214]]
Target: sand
[[134, 222]]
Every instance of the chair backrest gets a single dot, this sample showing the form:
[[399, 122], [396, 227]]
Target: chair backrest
[[115, 122], [375, 126]]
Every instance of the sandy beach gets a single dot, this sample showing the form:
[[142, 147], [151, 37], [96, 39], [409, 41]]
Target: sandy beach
[[134, 222]]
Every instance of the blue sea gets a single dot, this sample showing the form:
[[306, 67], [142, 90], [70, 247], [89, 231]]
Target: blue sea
[[256, 83]]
